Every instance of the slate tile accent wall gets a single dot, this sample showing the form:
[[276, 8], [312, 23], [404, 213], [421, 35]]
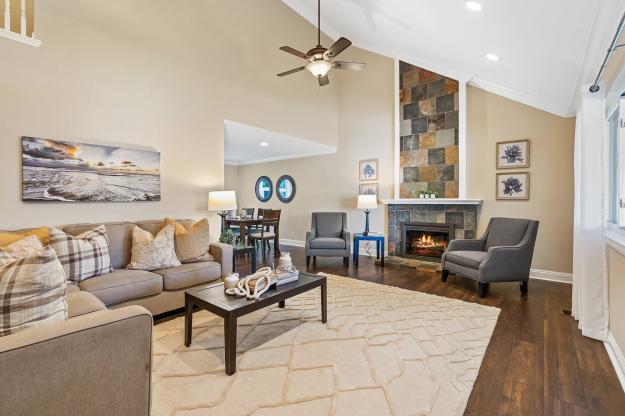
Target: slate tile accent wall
[[428, 133], [464, 217]]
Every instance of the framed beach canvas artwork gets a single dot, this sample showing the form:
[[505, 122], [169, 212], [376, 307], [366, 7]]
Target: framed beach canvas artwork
[[368, 170], [368, 189], [513, 154], [66, 171], [513, 185]]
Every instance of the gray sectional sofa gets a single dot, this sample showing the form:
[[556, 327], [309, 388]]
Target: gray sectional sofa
[[98, 362], [158, 291]]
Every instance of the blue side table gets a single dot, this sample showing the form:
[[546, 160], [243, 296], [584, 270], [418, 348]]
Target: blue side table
[[379, 245]]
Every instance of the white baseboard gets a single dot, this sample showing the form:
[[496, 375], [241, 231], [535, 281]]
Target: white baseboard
[[616, 356], [534, 273], [551, 276]]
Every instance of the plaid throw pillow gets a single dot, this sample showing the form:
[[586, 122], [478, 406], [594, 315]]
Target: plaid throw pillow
[[83, 256], [32, 290]]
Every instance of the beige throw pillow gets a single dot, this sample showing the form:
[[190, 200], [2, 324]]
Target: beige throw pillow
[[153, 253], [32, 290], [192, 244]]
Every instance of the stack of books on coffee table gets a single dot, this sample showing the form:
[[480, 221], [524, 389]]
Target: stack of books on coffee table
[[286, 277]]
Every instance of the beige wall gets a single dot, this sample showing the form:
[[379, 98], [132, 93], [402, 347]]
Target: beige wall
[[330, 182], [491, 118], [154, 73]]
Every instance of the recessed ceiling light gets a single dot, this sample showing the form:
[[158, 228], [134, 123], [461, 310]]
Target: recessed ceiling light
[[264, 144], [474, 6], [492, 57]]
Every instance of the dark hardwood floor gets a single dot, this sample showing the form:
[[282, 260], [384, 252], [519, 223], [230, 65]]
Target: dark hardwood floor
[[537, 363]]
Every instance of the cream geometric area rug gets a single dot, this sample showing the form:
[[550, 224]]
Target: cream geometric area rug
[[384, 351]]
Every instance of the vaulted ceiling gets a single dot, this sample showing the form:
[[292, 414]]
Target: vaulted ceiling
[[546, 48]]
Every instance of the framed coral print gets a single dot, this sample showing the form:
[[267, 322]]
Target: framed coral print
[[368, 170], [513, 185], [513, 154]]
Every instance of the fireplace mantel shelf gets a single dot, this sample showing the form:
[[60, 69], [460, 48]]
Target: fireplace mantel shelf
[[432, 201]]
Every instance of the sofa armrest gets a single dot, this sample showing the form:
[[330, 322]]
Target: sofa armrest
[[507, 263], [94, 364], [223, 255], [347, 236], [466, 245]]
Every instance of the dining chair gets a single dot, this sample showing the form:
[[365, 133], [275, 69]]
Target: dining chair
[[270, 219]]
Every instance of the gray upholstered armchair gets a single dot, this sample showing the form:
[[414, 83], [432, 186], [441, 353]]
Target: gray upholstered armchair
[[328, 237], [503, 254]]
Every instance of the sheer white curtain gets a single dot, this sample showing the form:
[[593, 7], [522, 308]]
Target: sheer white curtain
[[590, 284]]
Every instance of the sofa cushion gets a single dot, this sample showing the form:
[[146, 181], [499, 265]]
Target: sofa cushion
[[81, 303], [190, 274], [32, 290], [506, 232], [83, 256], [8, 237], [470, 259], [122, 285], [120, 236], [327, 242], [72, 287], [120, 240], [153, 253], [192, 243], [329, 224]]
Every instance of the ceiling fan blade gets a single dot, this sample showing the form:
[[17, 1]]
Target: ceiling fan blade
[[324, 80], [292, 71], [355, 66], [338, 47], [295, 52]]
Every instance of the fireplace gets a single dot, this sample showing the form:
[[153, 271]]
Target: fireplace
[[424, 240]]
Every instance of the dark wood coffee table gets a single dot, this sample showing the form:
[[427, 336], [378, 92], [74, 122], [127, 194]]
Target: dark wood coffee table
[[213, 299]]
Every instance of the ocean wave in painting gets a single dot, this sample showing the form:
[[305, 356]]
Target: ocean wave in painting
[[45, 184], [67, 171]]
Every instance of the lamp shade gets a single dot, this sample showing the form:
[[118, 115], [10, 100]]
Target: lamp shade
[[222, 201], [367, 201]]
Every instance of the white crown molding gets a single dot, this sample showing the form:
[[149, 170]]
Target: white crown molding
[[522, 97], [616, 357]]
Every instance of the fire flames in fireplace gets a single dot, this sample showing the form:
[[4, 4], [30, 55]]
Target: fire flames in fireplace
[[428, 245]]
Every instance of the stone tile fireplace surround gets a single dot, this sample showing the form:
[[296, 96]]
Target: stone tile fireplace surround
[[463, 217]]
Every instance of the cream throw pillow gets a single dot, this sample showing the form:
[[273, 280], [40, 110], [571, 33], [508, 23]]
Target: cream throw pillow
[[153, 253], [32, 290], [192, 244], [23, 247]]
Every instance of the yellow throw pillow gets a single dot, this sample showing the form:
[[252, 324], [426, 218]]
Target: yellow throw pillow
[[7, 237], [191, 244]]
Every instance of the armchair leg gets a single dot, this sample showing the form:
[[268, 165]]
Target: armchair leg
[[346, 261], [524, 287], [307, 261], [483, 289], [444, 274], [314, 261]]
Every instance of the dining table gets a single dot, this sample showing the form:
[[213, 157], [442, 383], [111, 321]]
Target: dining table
[[249, 223]]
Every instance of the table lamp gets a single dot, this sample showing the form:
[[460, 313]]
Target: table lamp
[[222, 201], [367, 202]]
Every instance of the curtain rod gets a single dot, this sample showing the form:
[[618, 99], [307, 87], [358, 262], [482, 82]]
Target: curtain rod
[[613, 47]]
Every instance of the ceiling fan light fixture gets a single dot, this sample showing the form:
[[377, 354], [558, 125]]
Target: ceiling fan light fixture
[[319, 68]]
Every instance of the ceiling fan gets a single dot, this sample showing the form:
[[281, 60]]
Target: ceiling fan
[[320, 58]]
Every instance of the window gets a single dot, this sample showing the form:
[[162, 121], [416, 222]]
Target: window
[[616, 165]]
